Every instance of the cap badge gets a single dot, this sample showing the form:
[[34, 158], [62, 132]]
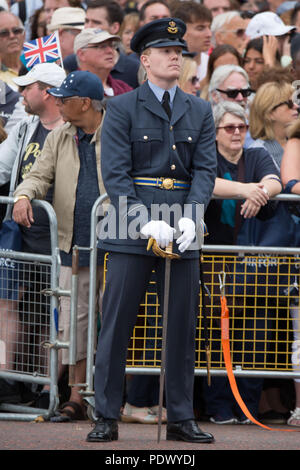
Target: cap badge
[[172, 28]]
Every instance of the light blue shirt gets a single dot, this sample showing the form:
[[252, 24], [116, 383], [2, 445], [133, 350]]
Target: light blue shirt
[[159, 92]]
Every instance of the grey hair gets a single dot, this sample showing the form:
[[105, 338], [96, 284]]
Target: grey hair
[[219, 21], [97, 105], [220, 109], [221, 73]]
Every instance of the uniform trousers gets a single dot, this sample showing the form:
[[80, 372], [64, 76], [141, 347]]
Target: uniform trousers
[[127, 280]]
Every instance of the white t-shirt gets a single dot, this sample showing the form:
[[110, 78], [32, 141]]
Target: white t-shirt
[[202, 68], [31, 7]]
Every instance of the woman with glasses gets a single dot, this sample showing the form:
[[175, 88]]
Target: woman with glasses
[[188, 80], [229, 83], [271, 114], [259, 182], [252, 175]]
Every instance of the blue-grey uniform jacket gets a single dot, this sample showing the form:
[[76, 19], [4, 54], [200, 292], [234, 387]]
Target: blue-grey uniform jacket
[[138, 140]]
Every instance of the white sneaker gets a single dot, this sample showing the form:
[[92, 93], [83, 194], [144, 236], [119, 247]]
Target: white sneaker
[[223, 421], [294, 419]]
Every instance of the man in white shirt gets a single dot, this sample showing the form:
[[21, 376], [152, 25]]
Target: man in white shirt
[[198, 19]]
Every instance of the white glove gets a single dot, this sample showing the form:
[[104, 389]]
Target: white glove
[[188, 229], [160, 231]]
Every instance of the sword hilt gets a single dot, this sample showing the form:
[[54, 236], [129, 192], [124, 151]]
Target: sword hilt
[[158, 251]]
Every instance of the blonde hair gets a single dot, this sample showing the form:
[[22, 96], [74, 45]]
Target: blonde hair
[[267, 97], [188, 70], [131, 19]]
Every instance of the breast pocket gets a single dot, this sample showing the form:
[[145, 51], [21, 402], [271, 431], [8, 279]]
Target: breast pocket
[[185, 140], [144, 144]]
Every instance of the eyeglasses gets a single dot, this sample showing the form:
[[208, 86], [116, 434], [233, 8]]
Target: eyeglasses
[[245, 92], [290, 104], [4, 33], [194, 80], [72, 31], [64, 99], [102, 46], [238, 32], [231, 128]]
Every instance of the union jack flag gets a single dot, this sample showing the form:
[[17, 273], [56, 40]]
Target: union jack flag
[[45, 49]]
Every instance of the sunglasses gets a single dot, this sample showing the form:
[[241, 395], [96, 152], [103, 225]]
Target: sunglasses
[[194, 80], [245, 92], [238, 32], [4, 33], [290, 104], [231, 128]]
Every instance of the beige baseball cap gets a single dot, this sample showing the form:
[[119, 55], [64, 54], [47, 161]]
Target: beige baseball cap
[[67, 18], [92, 36]]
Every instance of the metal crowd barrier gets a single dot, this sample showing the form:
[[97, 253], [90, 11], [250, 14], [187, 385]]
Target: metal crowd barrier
[[35, 315], [261, 289]]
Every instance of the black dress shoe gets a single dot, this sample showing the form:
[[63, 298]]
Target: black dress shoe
[[105, 430], [187, 431]]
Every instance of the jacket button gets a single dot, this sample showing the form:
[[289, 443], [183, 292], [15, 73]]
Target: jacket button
[[190, 139], [173, 167], [174, 147], [171, 128], [145, 137]]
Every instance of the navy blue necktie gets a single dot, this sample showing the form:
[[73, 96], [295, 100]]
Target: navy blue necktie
[[166, 104]]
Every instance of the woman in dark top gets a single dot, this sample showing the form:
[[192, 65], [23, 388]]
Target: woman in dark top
[[249, 174]]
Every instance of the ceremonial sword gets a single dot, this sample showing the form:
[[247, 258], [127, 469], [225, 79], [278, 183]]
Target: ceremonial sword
[[168, 255]]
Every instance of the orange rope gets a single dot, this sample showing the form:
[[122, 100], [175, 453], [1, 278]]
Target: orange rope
[[227, 358]]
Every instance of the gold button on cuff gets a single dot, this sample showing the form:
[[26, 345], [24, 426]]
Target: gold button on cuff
[[145, 137]]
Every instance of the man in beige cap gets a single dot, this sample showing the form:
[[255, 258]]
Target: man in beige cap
[[68, 22], [108, 15], [96, 52]]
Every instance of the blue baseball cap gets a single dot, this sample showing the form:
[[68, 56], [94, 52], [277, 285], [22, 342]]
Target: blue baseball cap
[[159, 33], [79, 83]]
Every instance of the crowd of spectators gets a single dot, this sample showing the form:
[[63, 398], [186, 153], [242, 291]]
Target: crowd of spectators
[[244, 58]]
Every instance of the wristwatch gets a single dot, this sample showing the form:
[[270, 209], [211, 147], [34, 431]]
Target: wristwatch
[[17, 198]]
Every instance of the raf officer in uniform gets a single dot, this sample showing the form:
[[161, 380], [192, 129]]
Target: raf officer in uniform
[[158, 147]]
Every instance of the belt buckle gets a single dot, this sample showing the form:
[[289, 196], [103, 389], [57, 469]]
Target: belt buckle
[[167, 183]]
